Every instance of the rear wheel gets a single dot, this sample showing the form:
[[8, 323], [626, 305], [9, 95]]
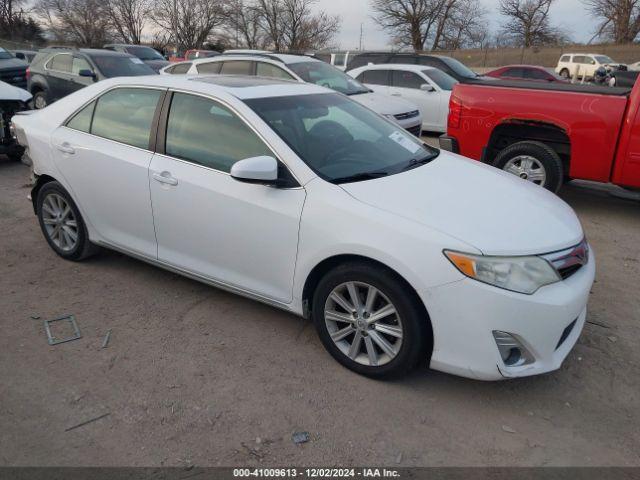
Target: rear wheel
[[40, 100], [62, 224], [564, 73], [369, 321], [534, 162]]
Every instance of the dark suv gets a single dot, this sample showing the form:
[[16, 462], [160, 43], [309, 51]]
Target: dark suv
[[13, 70], [55, 72], [451, 66], [148, 55]]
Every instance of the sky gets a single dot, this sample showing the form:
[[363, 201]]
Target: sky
[[570, 15]]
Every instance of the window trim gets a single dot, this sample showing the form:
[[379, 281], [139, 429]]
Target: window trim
[[163, 121]]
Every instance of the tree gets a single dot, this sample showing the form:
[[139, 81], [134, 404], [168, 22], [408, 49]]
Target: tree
[[189, 22], [128, 18], [528, 22], [244, 25], [85, 23], [619, 20]]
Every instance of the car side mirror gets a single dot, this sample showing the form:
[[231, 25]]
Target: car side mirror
[[262, 170], [85, 72], [425, 87]]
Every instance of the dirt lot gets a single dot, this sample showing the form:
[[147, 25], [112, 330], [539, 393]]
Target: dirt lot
[[196, 376]]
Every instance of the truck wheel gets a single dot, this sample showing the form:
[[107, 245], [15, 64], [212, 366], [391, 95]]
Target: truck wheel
[[532, 161], [40, 100], [564, 73]]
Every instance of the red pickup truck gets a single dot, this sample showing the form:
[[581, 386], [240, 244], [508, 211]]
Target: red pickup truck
[[548, 133]]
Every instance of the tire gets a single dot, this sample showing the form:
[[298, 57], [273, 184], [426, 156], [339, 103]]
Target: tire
[[564, 73], [57, 230], [15, 156], [40, 100], [399, 355], [546, 167]]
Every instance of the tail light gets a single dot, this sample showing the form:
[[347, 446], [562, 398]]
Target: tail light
[[27, 73], [455, 113]]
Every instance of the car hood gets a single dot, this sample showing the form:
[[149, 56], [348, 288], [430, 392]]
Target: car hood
[[9, 92], [156, 64], [384, 104], [495, 212], [10, 63]]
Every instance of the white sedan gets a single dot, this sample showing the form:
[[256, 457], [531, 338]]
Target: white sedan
[[426, 87], [298, 196]]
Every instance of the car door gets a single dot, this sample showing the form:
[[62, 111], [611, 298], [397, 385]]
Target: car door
[[241, 235], [408, 85], [77, 65], [103, 153], [58, 72]]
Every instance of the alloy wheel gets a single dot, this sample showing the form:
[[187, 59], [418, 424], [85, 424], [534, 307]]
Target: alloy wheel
[[40, 102], [527, 168], [60, 223], [363, 323]]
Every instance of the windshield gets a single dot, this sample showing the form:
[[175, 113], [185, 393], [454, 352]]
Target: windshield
[[458, 67], [604, 59], [4, 54], [145, 53], [444, 81], [341, 140], [328, 76], [117, 66]]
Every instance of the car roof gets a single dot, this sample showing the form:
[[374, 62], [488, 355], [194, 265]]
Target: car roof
[[87, 51], [257, 55], [240, 86], [397, 66]]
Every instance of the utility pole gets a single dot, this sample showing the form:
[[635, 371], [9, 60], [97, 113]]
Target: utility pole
[[361, 35]]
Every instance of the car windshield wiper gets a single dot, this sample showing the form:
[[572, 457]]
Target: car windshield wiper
[[417, 162], [358, 92], [359, 177]]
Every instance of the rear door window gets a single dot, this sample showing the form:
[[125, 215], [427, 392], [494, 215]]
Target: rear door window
[[534, 74], [237, 67], [181, 68], [268, 70], [82, 120], [60, 63], [405, 79], [125, 115], [209, 67], [375, 77], [513, 73], [79, 64]]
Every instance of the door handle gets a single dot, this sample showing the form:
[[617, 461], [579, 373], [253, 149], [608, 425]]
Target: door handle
[[166, 178], [66, 148]]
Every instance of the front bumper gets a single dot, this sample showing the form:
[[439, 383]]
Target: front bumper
[[465, 314]]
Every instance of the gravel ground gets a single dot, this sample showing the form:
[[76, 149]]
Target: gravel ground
[[196, 376]]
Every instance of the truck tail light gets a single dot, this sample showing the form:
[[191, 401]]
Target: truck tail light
[[455, 113]]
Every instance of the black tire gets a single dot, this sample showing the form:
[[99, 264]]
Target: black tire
[[416, 341], [564, 73], [82, 248], [543, 154], [15, 156], [40, 100]]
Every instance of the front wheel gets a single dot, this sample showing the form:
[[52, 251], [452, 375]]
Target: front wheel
[[564, 73], [532, 161], [370, 321]]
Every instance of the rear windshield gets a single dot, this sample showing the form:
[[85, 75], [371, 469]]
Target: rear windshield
[[145, 53], [117, 66]]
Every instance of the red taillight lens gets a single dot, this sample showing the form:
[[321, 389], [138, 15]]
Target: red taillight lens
[[455, 113], [28, 73]]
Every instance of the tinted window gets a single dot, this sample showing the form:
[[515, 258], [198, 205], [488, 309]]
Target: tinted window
[[239, 67], [375, 77], [144, 53], [404, 59], [268, 70], [513, 73], [340, 59], [181, 68], [79, 64], [320, 73], [210, 67], [535, 74], [404, 79], [458, 68], [444, 81], [4, 54], [60, 63], [82, 120], [125, 115], [207, 133], [565, 58], [121, 66]]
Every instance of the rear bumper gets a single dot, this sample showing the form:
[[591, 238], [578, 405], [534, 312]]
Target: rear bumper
[[547, 324], [450, 144]]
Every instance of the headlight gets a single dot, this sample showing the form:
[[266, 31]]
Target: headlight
[[518, 274]]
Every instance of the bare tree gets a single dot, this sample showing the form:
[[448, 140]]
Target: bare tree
[[619, 20], [189, 22], [528, 22], [128, 18], [461, 24], [85, 23], [244, 25]]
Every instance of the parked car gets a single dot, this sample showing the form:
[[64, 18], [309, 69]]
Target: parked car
[[584, 64], [450, 66], [194, 54], [55, 72], [148, 55], [426, 87], [301, 68], [12, 100], [549, 133], [300, 197], [340, 60], [525, 72], [26, 55], [623, 78], [12, 70]]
